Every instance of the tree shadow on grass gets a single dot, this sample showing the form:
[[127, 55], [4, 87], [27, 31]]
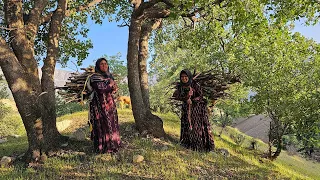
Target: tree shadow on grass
[[78, 161]]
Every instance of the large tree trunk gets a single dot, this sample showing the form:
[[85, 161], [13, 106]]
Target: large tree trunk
[[52, 135], [138, 108], [279, 148], [35, 101], [145, 120], [276, 132], [25, 92], [143, 55], [20, 70]]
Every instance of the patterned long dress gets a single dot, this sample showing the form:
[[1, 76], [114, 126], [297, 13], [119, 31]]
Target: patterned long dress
[[197, 135], [103, 117]]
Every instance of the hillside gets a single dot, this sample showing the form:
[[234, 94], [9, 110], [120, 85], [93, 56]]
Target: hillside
[[163, 158], [256, 126]]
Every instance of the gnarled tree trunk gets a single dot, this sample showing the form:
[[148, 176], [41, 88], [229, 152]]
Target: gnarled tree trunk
[[25, 92], [35, 101], [143, 55], [52, 135], [276, 132], [145, 120]]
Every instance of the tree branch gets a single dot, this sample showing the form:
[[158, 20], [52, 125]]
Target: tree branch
[[156, 13], [185, 22], [46, 19], [33, 20], [47, 83], [124, 24], [149, 4], [12, 68], [146, 30], [20, 44], [222, 44], [83, 7], [8, 29], [146, 5]]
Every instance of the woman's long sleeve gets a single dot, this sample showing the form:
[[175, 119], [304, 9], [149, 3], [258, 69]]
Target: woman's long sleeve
[[103, 87], [197, 93], [177, 96]]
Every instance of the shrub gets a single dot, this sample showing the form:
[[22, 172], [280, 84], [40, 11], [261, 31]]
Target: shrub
[[238, 139], [63, 108]]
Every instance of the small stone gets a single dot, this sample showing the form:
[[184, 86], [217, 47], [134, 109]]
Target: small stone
[[79, 135], [35, 155], [43, 158], [64, 145], [15, 136], [224, 152], [5, 161], [3, 140], [80, 153], [138, 158]]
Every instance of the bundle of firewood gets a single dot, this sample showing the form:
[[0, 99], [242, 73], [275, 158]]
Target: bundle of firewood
[[214, 84], [73, 90]]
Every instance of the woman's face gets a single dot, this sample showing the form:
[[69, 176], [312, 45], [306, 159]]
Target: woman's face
[[184, 78], [103, 66]]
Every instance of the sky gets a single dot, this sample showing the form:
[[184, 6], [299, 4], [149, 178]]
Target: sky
[[308, 31], [109, 39]]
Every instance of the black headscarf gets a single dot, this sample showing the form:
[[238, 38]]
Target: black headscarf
[[97, 69], [188, 73]]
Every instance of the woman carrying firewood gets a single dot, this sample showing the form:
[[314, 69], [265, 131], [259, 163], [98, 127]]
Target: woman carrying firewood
[[103, 111], [195, 126]]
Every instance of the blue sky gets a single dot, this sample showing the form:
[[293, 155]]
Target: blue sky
[[308, 31], [109, 39]]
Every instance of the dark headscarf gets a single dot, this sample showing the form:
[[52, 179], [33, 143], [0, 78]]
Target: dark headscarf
[[97, 69], [188, 73]]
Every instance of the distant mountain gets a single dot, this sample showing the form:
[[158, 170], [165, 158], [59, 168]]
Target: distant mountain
[[256, 126], [60, 77]]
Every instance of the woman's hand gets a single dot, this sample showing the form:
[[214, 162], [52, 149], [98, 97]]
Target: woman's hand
[[189, 101], [115, 88], [111, 83]]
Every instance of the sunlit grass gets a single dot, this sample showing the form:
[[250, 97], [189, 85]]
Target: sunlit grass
[[163, 159], [11, 124]]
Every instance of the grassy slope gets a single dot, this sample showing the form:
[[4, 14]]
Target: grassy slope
[[171, 162]]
